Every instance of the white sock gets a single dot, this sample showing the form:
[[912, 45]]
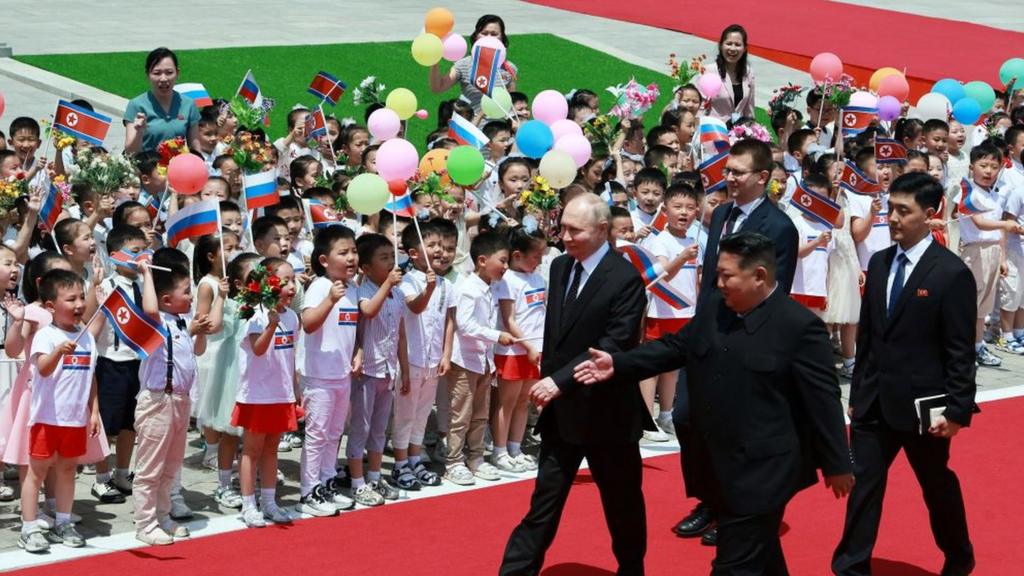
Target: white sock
[[373, 476], [267, 497], [499, 450], [248, 501], [848, 362], [414, 460], [399, 464], [224, 477], [212, 448], [357, 482], [514, 449], [102, 477], [979, 345], [122, 473], [665, 415], [28, 525], [63, 518], [1018, 333]]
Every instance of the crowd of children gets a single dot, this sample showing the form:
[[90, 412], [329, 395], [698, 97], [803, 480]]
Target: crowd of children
[[378, 319]]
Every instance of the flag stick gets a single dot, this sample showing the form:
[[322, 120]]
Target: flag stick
[[416, 223], [99, 309], [821, 107], [660, 277], [394, 226], [487, 204], [248, 225], [223, 257]]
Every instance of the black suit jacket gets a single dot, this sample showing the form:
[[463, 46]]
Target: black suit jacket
[[766, 219], [606, 315], [926, 348], [765, 405]]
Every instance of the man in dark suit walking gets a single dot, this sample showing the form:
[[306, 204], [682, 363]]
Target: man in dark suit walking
[[916, 339], [747, 172], [749, 341], [596, 299]]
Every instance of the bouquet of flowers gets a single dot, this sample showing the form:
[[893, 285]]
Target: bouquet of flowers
[[685, 75], [752, 132], [784, 97], [250, 117], [167, 150], [602, 130], [263, 290], [632, 99], [11, 189], [368, 92], [431, 186], [539, 196], [839, 93], [60, 139], [103, 172], [249, 152]]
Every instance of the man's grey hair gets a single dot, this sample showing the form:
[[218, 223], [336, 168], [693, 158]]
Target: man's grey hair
[[600, 213]]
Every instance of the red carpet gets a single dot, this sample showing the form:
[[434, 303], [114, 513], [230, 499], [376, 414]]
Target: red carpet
[[464, 534], [791, 32]]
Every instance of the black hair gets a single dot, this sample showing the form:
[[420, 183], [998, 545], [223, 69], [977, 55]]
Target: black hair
[[120, 215], [368, 244], [487, 244], [229, 206], [235, 268], [1017, 115], [619, 212], [935, 124], [582, 96], [324, 241], [759, 151], [683, 189], [823, 163], [752, 248], [815, 96], [781, 115], [917, 155], [270, 264], [691, 177], [24, 123], [741, 64], [862, 157], [495, 127], [986, 149], [64, 231], [818, 181], [519, 97], [169, 257], [366, 154], [657, 132], [205, 121], [410, 239], [220, 160], [346, 135], [508, 163], [927, 190], [146, 162], [448, 108], [201, 263], [482, 23], [298, 168], [445, 228], [650, 176], [56, 279], [319, 193], [1012, 133], [293, 114], [165, 281], [37, 267], [121, 235], [521, 240], [154, 58], [264, 224], [908, 129], [386, 221], [795, 141], [286, 203]]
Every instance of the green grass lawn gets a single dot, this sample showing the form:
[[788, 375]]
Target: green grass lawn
[[283, 72]]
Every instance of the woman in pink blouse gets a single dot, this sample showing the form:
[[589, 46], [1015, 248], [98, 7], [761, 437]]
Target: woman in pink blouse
[[736, 96]]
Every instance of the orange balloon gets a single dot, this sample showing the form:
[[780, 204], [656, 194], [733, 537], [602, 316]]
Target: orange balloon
[[876, 78], [436, 162], [439, 22]]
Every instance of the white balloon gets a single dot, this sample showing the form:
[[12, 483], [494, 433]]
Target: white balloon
[[934, 106], [865, 99]]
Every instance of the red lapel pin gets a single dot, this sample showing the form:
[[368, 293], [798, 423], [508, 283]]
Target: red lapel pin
[[922, 293]]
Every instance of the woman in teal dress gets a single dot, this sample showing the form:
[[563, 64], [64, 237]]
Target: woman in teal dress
[[160, 113]]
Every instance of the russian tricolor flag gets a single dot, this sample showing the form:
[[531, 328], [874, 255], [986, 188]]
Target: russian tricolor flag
[[196, 91], [151, 202], [484, 70], [81, 123], [133, 326], [52, 206], [192, 221], [250, 90], [651, 271], [327, 88], [856, 119], [130, 259], [713, 131], [464, 132], [316, 124], [260, 190], [401, 206], [712, 172], [969, 203], [816, 206]]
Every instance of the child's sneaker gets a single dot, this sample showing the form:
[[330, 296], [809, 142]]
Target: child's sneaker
[[227, 497], [283, 445], [1009, 345], [154, 537], [425, 476], [986, 358], [332, 493], [316, 503], [460, 475], [846, 371], [295, 440], [506, 463], [386, 491], [404, 478], [656, 435], [365, 495], [6, 492], [175, 530], [274, 513], [487, 472], [253, 518], [34, 541], [67, 535], [107, 493], [529, 463]]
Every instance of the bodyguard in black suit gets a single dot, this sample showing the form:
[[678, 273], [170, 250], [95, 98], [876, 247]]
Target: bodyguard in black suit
[[915, 339], [766, 407], [596, 299]]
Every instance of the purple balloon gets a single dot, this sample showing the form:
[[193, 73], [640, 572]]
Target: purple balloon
[[889, 108]]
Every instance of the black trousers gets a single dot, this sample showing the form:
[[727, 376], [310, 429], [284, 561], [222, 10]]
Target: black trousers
[[748, 545], [875, 446], [617, 471]]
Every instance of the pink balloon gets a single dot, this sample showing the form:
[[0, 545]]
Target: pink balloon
[[187, 174], [397, 160], [888, 108], [3, 104], [454, 47], [422, 114], [894, 85], [709, 85], [565, 127], [384, 124], [862, 98], [826, 65], [492, 42], [575, 145], [550, 106]]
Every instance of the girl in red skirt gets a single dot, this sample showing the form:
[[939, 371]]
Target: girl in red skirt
[[265, 404]]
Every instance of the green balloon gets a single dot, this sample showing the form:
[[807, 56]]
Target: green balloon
[[981, 93], [498, 104], [465, 165], [1011, 69], [367, 193]]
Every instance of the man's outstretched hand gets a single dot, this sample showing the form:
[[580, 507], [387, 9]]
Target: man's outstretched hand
[[598, 369]]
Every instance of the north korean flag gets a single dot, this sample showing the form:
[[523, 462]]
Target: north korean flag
[[712, 175], [858, 182], [81, 123], [534, 298], [816, 206], [485, 67], [856, 119], [320, 215], [348, 317], [284, 340], [77, 360], [136, 329], [316, 124], [890, 151], [327, 87]]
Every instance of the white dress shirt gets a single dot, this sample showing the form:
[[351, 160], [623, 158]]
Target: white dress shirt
[[913, 257], [745, 211], [589, 263], [476, 320]]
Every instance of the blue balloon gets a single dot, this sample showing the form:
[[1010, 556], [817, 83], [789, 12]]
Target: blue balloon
[[967, 111], [950, 88], [534, 138]]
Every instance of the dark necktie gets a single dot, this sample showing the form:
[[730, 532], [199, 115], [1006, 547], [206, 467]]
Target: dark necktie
[[897, 282], [137, 294], [730, 222], [574, 287]]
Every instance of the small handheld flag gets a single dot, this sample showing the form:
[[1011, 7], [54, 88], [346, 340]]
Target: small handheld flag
[[81, 123], [856, 119], [130, 259], [196, 91], [969, 202], [890, 151], [260, 190], [713, 131], [52, 206], [195, 220], [319, 215], [858, 182], [485, 67], [151, 202], [136, 329], [316, 124], [712, 172], [660, 221], [249, 90], [327, 88], [652, 273], [816, 206], [401, 206], [464, 132]]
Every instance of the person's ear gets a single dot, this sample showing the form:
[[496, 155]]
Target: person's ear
[[322, 259], [929, 213], [49, 305], [761, 274]]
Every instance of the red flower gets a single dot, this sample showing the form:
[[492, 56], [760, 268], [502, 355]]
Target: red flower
[[274, 281], [19, 175], [253, 286]]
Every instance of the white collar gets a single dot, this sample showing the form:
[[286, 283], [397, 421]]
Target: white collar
[[591, 262], [750, 206], [916, 251]]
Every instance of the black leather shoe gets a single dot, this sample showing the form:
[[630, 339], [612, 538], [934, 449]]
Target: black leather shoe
[[695, 523], [710, 538], [957, 569]]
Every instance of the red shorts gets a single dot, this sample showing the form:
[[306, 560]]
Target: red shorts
[[45, 440], [812, 302], [265, 418], [516, 368], [658, 327]]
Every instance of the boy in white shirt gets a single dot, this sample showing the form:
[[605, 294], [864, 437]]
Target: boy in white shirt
[[476, 315], [810, 282]]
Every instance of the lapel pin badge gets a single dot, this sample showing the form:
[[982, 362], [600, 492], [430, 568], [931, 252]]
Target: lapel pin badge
[[922, 293]]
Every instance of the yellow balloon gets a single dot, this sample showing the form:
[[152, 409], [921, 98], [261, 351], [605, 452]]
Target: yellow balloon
[[498, 104], [402, 101], [558, 168], [879, 74], [427, 49]]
